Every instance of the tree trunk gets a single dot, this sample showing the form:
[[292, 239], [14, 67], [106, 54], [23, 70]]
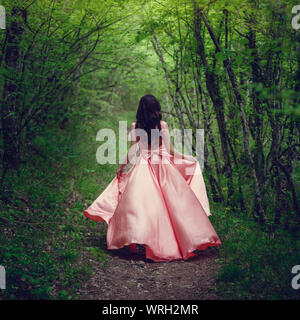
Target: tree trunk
[[258, 116], [215, 95], [174, 97], [9, 110], [227, 66]]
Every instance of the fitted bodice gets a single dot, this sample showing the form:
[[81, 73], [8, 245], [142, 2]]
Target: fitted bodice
[[155, 148]]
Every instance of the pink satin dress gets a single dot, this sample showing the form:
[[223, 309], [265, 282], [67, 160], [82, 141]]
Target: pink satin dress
[[158, 204]]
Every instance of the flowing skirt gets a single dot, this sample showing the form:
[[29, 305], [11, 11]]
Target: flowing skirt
[[161, 204]]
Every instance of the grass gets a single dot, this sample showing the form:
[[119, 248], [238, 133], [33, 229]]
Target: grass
[[46, 243], [255, 262], [44, 236]]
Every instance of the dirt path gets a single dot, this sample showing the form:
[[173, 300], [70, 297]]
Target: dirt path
[[129, 276]]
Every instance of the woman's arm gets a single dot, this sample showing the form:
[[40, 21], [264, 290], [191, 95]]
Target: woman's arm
[[132, 150]]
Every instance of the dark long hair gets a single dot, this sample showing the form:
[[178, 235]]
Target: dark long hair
[[148, 115]]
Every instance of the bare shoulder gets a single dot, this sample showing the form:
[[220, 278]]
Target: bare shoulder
[[163, 124], [132, 126]]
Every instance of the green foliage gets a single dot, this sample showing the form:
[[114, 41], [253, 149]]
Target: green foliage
[[83, 66], [255, 263], [43, 230]]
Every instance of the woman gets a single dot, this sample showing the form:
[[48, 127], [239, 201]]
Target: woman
[[156, 203]]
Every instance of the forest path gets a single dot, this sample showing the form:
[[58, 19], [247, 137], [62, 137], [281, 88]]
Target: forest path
[[121, 275], [130, 276]]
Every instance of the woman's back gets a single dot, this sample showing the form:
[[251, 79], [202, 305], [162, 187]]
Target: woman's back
[[162, 204], [159, 138]]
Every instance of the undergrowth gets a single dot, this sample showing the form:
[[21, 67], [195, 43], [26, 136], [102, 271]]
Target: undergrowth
[[46, 244]]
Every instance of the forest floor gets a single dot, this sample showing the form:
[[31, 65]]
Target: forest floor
[[120, 274], [52, 251], [130, 276]]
